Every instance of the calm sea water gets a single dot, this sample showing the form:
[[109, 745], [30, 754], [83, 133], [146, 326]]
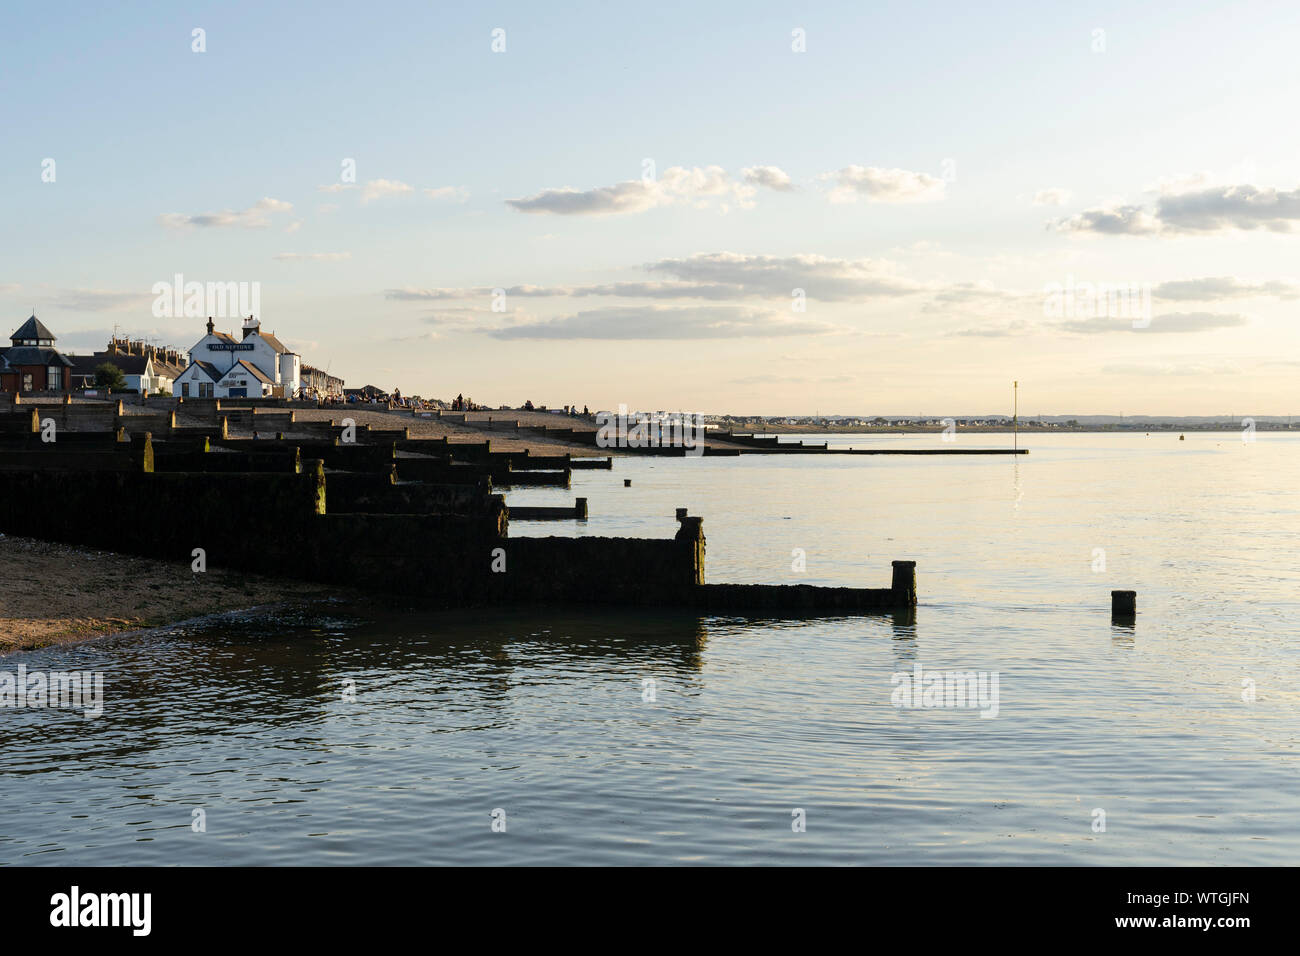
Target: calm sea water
[[542, 714]]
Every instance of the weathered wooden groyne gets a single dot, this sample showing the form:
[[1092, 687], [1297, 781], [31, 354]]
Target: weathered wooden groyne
[[385, 514]]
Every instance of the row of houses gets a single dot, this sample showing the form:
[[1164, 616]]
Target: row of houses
[[148, 369], [256, 365]]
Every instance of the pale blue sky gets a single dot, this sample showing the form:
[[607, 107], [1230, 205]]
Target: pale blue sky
[[146, 133]]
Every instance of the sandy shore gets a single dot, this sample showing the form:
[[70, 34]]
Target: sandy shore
[[58, 594]]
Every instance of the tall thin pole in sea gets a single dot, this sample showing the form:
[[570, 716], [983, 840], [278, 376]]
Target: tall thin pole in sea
[[1015, 415]]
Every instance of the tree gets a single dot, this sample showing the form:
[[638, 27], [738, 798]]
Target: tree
[[108, 375]]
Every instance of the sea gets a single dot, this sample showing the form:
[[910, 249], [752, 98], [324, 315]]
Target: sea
[[334, 734]]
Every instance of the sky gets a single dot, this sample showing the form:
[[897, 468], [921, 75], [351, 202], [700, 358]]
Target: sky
[[741, 208]]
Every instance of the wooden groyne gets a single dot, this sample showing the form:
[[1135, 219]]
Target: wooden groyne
[[362, 515], [806, 598], [578, 511]]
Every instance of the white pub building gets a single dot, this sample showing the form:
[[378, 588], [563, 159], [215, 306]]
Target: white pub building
[[256, 366]]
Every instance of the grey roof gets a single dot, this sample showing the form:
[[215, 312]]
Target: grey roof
[[252, 370], [83, 364], [31, 355], [208, 369], [223, 336], [270, 339], [129, 364], [33, 328]]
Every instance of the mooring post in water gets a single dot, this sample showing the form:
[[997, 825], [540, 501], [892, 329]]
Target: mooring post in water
[[904, 583], [690, 539], [681, 513], [1123, 604], [580, 508], [627, 482]]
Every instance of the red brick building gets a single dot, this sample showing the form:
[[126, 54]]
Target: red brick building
[[31, 363]]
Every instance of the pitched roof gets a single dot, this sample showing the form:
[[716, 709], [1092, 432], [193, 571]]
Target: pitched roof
[[33, 328], [129, 364], [272, 341], [167, 368], [83, 364], [208, 369], [223, 336], [253, 370], [31, 355]]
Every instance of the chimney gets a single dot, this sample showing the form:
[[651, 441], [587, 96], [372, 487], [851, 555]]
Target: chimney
[[250, 326], [211, 327]]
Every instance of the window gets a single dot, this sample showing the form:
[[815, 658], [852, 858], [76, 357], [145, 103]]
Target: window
[[185, 389], [27, 381], [205, 389], [55, 379]]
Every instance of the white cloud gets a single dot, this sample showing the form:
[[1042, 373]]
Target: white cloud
[[633, 195], [820, 277], [697, 185], [883, 185], [97, 300], [1018, 327], [1191, 207], [1173, 322], [255, 216], [771, 177], [379, 188], [1227, 208], [1051, 197], [1216, 288], [667, 322], [1120, 220]]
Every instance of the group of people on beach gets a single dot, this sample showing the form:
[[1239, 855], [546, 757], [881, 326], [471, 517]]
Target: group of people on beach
[[570, 410], [397, 400]]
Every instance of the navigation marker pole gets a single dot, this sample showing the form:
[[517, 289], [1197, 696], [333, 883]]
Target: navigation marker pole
[[1015, 415]]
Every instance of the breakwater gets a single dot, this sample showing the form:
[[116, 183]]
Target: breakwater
[[350, 505]]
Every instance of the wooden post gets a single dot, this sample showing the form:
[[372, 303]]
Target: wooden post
[[681, 514], [690, 538], [1123, 605], [904, 583], [580, 508]]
